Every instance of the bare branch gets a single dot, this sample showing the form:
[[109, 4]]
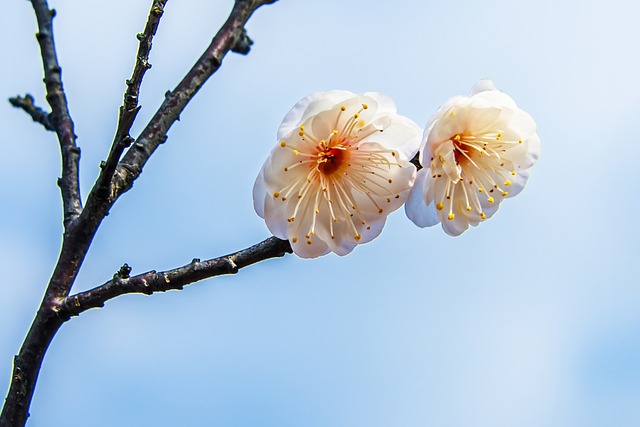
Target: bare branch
[[176, 279], [81, 225], [129, 109], [231, 37], [60, 118], [36, 113]]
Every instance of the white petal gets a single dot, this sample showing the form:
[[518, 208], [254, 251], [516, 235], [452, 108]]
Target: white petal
[[422, 214], [315, 249], [399, 133], [259, 193], [456, 226], [497, 98], [276, 216], [385, 103], [483, 86], [308, 106]]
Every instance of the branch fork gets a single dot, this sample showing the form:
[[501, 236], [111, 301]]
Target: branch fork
[[123, 165]]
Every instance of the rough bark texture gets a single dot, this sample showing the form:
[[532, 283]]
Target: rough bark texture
[[118, 172]]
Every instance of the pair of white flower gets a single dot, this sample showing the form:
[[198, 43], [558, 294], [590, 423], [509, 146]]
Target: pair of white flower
[[342, 164]]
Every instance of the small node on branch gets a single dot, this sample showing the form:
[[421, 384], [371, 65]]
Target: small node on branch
[[243, 44], [140, 36], [233, 267], [52, 13], [124, 271], [158, 9], [128, 140]]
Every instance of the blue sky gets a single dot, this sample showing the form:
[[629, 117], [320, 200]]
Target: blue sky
[[530, 319]]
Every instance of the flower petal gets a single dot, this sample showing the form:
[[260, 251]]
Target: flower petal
[[421, 213], [340, 167], [477, 151], [308, 106]]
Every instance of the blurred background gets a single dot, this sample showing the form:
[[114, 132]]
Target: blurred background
[[531, 319]]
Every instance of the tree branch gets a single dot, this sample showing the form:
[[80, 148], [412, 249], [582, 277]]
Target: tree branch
[[36, 113], [82, 224], [60, 118], [176, 279], [231, 37], [129, 109]]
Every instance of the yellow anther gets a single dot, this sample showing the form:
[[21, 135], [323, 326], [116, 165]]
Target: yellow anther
[[317, 210], [365, 106], [505, 193], [284, 199], [482, 215], [490, 200], [286, 169], [309, 242], [507, 183], [356, 115], [276, 194], [457, 138], [499, 136], [283, 144], [439, 206], [296, 152], [335, 132], [301, 133], [513, 173], [302, 128], [343, 108], [357, 237], [294, 240], [451, 216], [468, 208], [519, 141], [480, 190]]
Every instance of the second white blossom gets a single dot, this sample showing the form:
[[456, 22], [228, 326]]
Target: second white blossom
[[476, 151]]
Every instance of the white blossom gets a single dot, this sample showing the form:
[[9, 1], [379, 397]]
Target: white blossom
[[340, 167], [476, 151]]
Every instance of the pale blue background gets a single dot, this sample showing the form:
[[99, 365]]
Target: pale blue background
[[532, 319]]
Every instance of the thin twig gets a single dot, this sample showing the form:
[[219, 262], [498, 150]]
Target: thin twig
[[37, 114], [82, 224], [231, 37], [176, 279], [129, 109], [60, 117]]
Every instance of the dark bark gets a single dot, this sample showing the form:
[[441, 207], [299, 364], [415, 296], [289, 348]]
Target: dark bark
[[116, 177], [176, 279]]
